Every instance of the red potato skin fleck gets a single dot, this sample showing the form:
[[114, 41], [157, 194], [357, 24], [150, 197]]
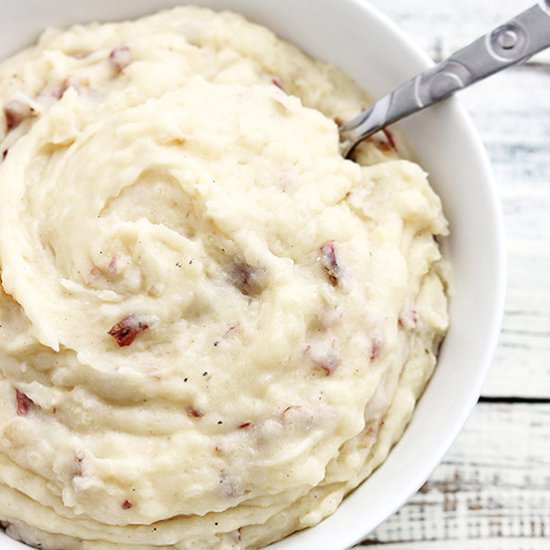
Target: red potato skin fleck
[[11, 120], [120, 57], [194, 413], [126, 505], [59, 91], [246, 426], [384, 146], [15, 112], [330, 262], [113, 266], [390, 139], [125, 331], [376, 349], [23, 402], [277, 82], [56, 91], [329, 365], [250, 280]]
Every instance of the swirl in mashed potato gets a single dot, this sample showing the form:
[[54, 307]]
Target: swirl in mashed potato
[[212, 326]]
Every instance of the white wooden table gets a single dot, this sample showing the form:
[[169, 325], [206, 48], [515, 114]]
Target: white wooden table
[[492, 492]]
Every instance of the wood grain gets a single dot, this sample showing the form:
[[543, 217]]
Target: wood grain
[[494, 484]]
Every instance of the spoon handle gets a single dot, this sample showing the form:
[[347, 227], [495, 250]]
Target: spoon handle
[[508, 44]]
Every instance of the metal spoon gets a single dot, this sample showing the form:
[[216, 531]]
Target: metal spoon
[[511, 43]]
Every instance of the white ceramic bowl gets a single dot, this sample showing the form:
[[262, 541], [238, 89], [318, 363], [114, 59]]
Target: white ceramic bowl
[[351, 34]]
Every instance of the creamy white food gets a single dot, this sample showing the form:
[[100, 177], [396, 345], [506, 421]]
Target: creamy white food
[[212, 326]]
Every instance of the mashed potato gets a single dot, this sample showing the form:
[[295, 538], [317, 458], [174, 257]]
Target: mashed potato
[[212, 326]]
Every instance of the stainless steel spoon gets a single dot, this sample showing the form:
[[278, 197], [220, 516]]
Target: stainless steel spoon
[[511, 43]]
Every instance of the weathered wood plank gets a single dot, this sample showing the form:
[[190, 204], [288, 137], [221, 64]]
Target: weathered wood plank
[[494, 483]]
